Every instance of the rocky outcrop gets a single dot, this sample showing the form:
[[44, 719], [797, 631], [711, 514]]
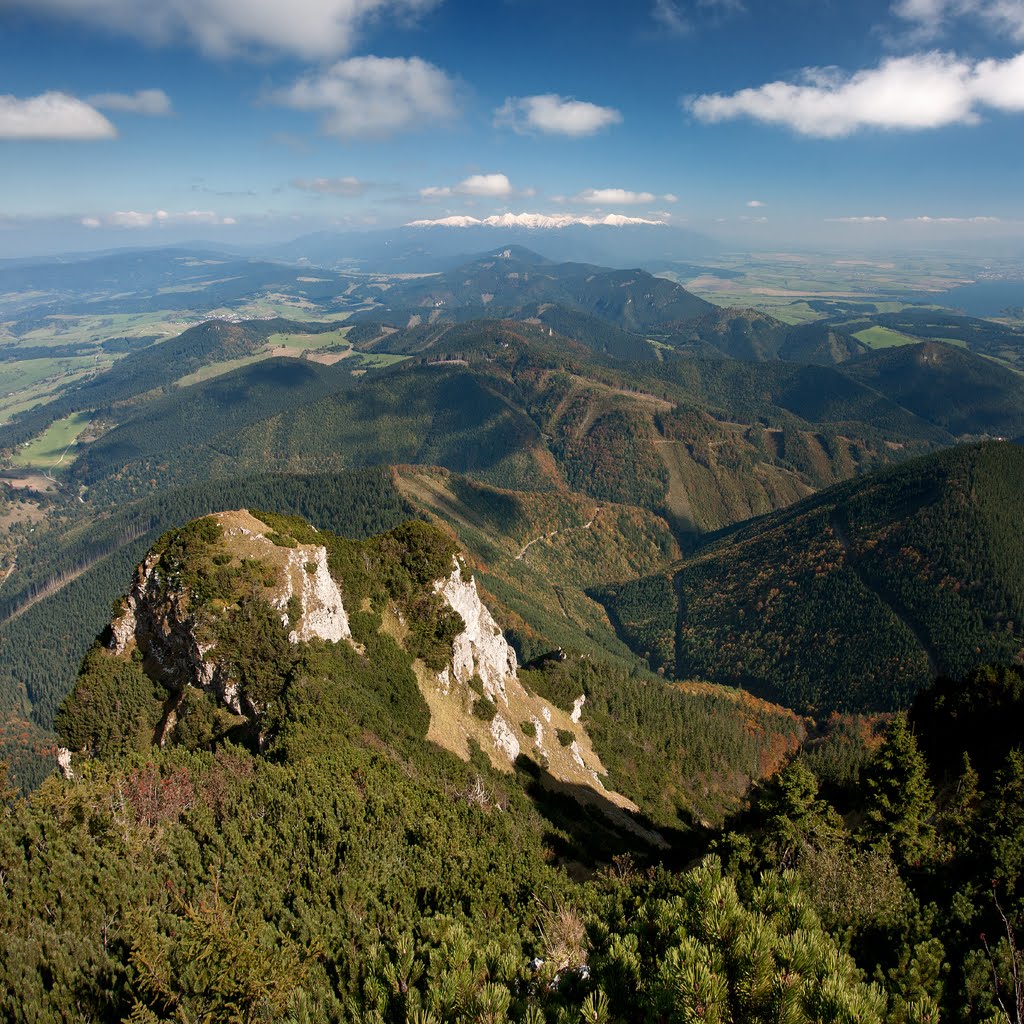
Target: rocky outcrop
[[523, 725], [481, 648], [161, 619], [577, 708], [323, 612]]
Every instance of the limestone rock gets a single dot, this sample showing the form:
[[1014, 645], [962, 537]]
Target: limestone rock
[[577, 708], [161, 620], [480, 649]]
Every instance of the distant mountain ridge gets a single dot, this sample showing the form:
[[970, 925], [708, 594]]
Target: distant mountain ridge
[[511, 278], [439, 248], [628, 314]]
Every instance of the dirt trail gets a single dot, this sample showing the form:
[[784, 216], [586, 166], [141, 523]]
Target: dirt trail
[[889, 600], [553, 533]]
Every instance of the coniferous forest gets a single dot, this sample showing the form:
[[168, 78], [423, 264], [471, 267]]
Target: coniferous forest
[[583, 653]]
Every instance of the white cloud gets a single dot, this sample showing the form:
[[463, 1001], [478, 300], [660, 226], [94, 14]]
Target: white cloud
[[346, 186], [490, 186], [534, 220], [604, 196], [306, 28], [670, 17], [155, 218], [931, 18], [52, 115], [856, 220], [374, 97], [927, 90], [554, 115], [952, 220], [755, 203], [152, 102]]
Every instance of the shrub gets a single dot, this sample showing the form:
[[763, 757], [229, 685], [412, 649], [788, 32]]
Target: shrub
[[485, 709]]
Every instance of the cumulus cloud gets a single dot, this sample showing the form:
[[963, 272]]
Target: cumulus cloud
[[312, 29], [622, 196], [155, 218], [52, 115], [927, 90], [533, 220], [554, 115], [152, 102], [346, 187], [856, 220], [488, 186], [931, 18], [492, 185], [754, 203], [374, 97]]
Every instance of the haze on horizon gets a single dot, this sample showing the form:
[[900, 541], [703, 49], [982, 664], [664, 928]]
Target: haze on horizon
[[894, 124]]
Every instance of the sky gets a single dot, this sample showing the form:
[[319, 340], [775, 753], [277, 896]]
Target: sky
[[876, 124]]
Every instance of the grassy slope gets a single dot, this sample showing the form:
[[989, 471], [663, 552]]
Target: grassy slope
[[537, 553]]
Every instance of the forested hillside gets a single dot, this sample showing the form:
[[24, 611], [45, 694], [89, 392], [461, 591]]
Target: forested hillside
[[155, 367], [517, 407], [513, 278], [353, 872], [564, 650], [986, 399], [48, 622], [853, 599]]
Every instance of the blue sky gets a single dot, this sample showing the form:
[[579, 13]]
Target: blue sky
[[818, 122]]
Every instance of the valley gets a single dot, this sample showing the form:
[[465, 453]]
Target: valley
[[514, 554]]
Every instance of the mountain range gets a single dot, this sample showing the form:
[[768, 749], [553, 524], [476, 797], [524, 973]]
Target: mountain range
[[507, 640]]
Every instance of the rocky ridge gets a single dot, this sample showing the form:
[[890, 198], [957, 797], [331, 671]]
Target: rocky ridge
[[162, 622], [204, 575], [484, 669]]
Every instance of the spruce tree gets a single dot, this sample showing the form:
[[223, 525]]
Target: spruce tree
[[900, 800]]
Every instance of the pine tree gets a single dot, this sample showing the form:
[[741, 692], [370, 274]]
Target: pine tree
[[900, 803]]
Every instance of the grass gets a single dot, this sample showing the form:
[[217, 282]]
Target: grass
[[53, 447], [217, 369], [38, 394], [295, 344], [304, 342], [63, 330], [883, 337], [16, 376], [376, 359]]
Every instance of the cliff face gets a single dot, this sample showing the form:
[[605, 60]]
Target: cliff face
[[480, 649], [172, 630]]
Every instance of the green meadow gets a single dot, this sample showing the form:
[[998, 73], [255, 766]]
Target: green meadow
[[55, 447]]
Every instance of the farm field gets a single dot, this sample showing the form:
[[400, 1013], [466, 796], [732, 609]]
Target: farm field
[[93, 330], [276, 345]]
